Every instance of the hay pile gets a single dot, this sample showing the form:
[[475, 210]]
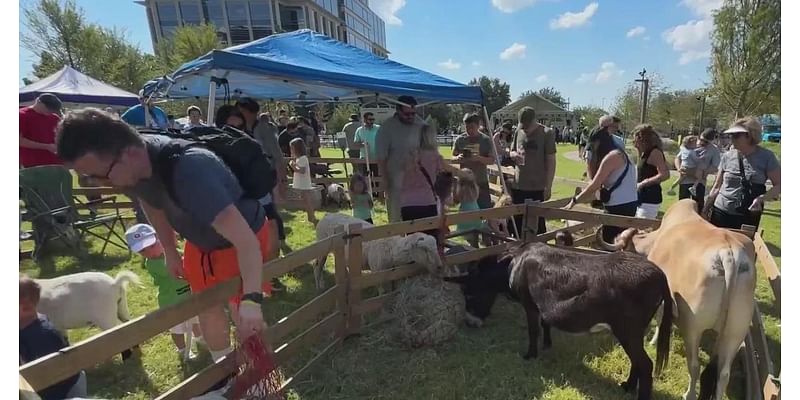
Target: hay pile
[[427, 311]]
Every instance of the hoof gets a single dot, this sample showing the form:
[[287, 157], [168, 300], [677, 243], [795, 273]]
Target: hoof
[[627, 387], [528, 356]]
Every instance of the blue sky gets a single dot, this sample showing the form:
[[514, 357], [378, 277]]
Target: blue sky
[[587, 49]]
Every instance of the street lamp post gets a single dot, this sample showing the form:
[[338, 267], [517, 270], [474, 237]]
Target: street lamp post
[[702, 100], [645, 88]]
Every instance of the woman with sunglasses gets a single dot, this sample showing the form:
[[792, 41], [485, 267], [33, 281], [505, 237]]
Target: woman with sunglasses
[[739, 192]]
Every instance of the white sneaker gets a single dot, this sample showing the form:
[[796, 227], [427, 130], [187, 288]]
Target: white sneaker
[[187, 355]]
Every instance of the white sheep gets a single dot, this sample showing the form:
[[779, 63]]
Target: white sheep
[[382, 254], [337, 194]]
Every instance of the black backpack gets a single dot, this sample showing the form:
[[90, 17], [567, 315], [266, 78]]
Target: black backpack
[[239, 151]]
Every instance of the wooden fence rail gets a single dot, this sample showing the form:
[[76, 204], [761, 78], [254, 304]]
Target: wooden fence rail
[[338, 312], [53, 368]]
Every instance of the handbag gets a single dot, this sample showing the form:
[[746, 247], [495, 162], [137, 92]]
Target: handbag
[[750, 191], [605, 193]]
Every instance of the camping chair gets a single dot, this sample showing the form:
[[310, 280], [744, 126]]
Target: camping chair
[[50, 206]]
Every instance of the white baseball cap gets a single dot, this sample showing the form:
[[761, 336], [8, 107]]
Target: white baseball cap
[[140, 237], [736, 129]]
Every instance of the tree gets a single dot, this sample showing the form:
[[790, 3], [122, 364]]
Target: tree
[[59, 36], [187, 43], [746, 54], [496, 94], [588, 115], [56, 31], [554, 96]]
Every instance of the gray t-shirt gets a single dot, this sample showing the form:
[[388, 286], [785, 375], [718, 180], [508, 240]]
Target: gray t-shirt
[[203, 186], [479, 144], [537, 145], [756, 167], [396, 143], [267, 135], [708, 158]]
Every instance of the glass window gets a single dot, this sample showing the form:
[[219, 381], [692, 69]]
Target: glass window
[[167, 18], [261, 18], [190, 12], [292, 18], [237, 20], [215, 15]]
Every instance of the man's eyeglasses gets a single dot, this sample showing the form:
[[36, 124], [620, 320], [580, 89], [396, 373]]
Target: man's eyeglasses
[[370, 120], [408, 114], [111, 166]]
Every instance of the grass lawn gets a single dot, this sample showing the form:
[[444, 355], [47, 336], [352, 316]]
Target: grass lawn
[[477, 364]]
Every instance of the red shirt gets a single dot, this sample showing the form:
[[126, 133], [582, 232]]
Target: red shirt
[[39, 128]]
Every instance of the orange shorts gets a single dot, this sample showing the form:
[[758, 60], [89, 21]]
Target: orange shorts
[[204, 270]]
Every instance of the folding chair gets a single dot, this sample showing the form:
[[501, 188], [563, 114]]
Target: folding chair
[[51, 208]]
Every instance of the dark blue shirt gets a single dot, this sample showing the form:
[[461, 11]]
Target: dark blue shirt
[[37, 340]]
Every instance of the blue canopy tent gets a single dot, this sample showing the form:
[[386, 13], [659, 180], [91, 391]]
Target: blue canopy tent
[[309, 67], [304, 66], [71, 86]]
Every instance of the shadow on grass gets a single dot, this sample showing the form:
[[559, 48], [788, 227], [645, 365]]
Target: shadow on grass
[[774, 249], [476, 364], [62, 260], [115, 380]]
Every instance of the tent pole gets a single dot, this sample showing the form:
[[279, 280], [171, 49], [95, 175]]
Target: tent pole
[[147, 118], [212, 96], [500, 169]]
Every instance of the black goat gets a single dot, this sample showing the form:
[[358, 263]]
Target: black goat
[[578, 292]]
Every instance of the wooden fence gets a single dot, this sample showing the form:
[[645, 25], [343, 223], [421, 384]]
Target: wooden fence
[[341, 310]]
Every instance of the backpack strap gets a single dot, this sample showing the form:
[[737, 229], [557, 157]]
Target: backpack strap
[[165, 161]]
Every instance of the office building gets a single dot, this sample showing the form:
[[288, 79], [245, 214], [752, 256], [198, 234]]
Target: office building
[[241, 21]]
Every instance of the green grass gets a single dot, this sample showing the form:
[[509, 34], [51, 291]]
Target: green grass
[[477, 364]]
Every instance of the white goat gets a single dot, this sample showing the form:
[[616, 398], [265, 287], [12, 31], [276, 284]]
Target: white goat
[[385, 253], [77, 300]]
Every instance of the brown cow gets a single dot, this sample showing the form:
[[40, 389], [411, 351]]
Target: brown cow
[[712, 276]]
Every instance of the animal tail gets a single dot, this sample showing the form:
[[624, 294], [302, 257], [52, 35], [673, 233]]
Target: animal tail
[[708, 379], [121, 282], [734, 263], [664, 330]]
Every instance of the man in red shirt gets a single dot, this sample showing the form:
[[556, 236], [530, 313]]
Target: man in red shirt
[[37, 131]]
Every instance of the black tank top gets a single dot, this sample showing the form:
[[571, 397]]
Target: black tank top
[[650, 194]]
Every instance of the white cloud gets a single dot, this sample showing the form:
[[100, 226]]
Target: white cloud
[[702, 8], [510, 6], [647, 38], [514, 51], [541, 78], [608, 71], [476, 63], [637, 31], [387, 10], [573, 20], [692, 40], [449, 64]]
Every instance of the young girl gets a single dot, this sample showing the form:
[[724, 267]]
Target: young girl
[[466, 196], [302, 175], [687, 161], [360, 198]]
